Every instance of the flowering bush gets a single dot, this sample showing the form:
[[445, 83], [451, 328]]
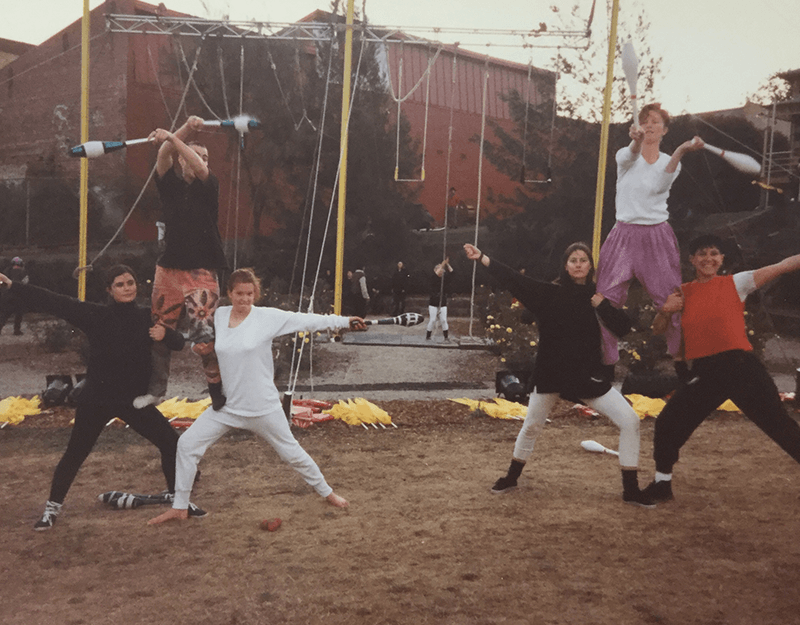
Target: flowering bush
[[512, 330]]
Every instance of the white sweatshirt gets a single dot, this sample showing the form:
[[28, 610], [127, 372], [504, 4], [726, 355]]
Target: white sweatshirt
[[642, 188], [245, 353]]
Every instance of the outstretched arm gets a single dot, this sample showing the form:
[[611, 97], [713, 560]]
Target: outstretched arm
[[74, 311], [770, 272], [473, 253], [687, 146]]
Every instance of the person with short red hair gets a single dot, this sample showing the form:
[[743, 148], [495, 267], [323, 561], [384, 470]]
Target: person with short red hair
[[642, 244]]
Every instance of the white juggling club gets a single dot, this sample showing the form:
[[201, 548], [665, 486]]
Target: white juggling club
[[630, 65], [93, 149]]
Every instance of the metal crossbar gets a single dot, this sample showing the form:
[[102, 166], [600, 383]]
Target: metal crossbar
[[314, 31]]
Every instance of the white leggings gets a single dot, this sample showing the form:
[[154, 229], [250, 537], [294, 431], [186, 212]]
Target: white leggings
[[432, 317], [210, 426], [613, 405]]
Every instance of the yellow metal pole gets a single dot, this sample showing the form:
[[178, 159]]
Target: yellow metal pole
[[84, 188], [601, 161], [348, 62]]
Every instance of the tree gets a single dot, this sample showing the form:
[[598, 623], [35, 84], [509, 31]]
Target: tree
[[286, 84], [582, 72], [774, 89]]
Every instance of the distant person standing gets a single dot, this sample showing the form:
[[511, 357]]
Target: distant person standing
[[455, 208], [359, 293], [187, 273], [400, 280], [437, 303], [11, 303]]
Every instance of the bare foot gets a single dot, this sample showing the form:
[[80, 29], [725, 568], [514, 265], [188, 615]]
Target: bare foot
[[335, 500], [172, 513]]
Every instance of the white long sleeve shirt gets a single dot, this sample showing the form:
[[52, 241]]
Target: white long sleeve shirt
[[642, 188], [245, 353]]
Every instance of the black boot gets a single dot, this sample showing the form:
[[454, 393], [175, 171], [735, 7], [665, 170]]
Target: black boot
[[428, 336], [509, 482], [631, 493], [446, 334], [218, 399], [659, 491]]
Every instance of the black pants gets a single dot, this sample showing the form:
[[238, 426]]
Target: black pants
[[11, 306], [398, 303], [736, 375], [89, 423]]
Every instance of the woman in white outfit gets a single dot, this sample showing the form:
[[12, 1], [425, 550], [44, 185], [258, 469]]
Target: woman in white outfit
[[244, 347]]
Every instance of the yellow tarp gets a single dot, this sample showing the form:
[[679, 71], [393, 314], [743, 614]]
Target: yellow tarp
[[359, 411], [499, 409], [13, 410], [183, 408], [646, 406]]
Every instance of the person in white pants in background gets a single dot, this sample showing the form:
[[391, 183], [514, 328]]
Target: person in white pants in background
[[244, 335]]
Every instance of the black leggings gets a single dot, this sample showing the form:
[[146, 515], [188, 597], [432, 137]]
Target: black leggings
[[736, 375], [89, 423]]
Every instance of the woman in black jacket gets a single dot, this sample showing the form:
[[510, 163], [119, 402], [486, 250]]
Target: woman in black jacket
[[568, 362], [120, 337]]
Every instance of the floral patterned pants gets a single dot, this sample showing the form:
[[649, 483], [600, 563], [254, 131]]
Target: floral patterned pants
[[195, 295]]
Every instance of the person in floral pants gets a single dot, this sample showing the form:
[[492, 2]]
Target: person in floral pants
[[186, 278]]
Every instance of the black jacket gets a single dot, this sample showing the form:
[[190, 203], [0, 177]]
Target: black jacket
[[569, 358], [119, 342]]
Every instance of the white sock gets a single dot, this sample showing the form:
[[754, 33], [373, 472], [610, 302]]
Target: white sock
[[663, 477], [142, 401]]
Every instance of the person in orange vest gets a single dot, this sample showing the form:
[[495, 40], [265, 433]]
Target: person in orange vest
[[723, 364]]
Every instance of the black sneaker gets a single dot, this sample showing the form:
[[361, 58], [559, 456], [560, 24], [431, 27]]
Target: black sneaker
[[51, 511], [639, 498], [196, 512], [504, 485], [659, 491]]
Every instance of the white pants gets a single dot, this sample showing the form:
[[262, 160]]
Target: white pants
[[441, 316], [212, 425], [613, 405]]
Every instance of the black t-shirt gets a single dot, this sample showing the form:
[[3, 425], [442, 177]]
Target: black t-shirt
[[437, 294], [190, 212]]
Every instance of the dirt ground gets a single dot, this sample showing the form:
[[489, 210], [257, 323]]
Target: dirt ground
[[423, 541]]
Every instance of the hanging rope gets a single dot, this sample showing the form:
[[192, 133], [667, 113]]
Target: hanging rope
[[296, 369], [284, 97], [222, 81], [196, 87], [549, 173], [311, 198], [480, 187], [158, 79], [90, 266], [447, 182], [426, 75]]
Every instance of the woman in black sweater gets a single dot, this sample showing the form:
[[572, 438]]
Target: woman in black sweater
[[568, 362], [120, 337]]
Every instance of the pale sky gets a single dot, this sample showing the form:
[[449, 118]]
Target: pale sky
[[715, 52]]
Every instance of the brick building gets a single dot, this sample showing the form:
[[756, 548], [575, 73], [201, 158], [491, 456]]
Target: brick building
[[133, 91]]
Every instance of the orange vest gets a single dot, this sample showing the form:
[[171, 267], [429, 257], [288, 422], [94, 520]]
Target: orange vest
[[713, 318]]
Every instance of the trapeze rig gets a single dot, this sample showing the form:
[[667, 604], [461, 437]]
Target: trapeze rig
[[314, 31]]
